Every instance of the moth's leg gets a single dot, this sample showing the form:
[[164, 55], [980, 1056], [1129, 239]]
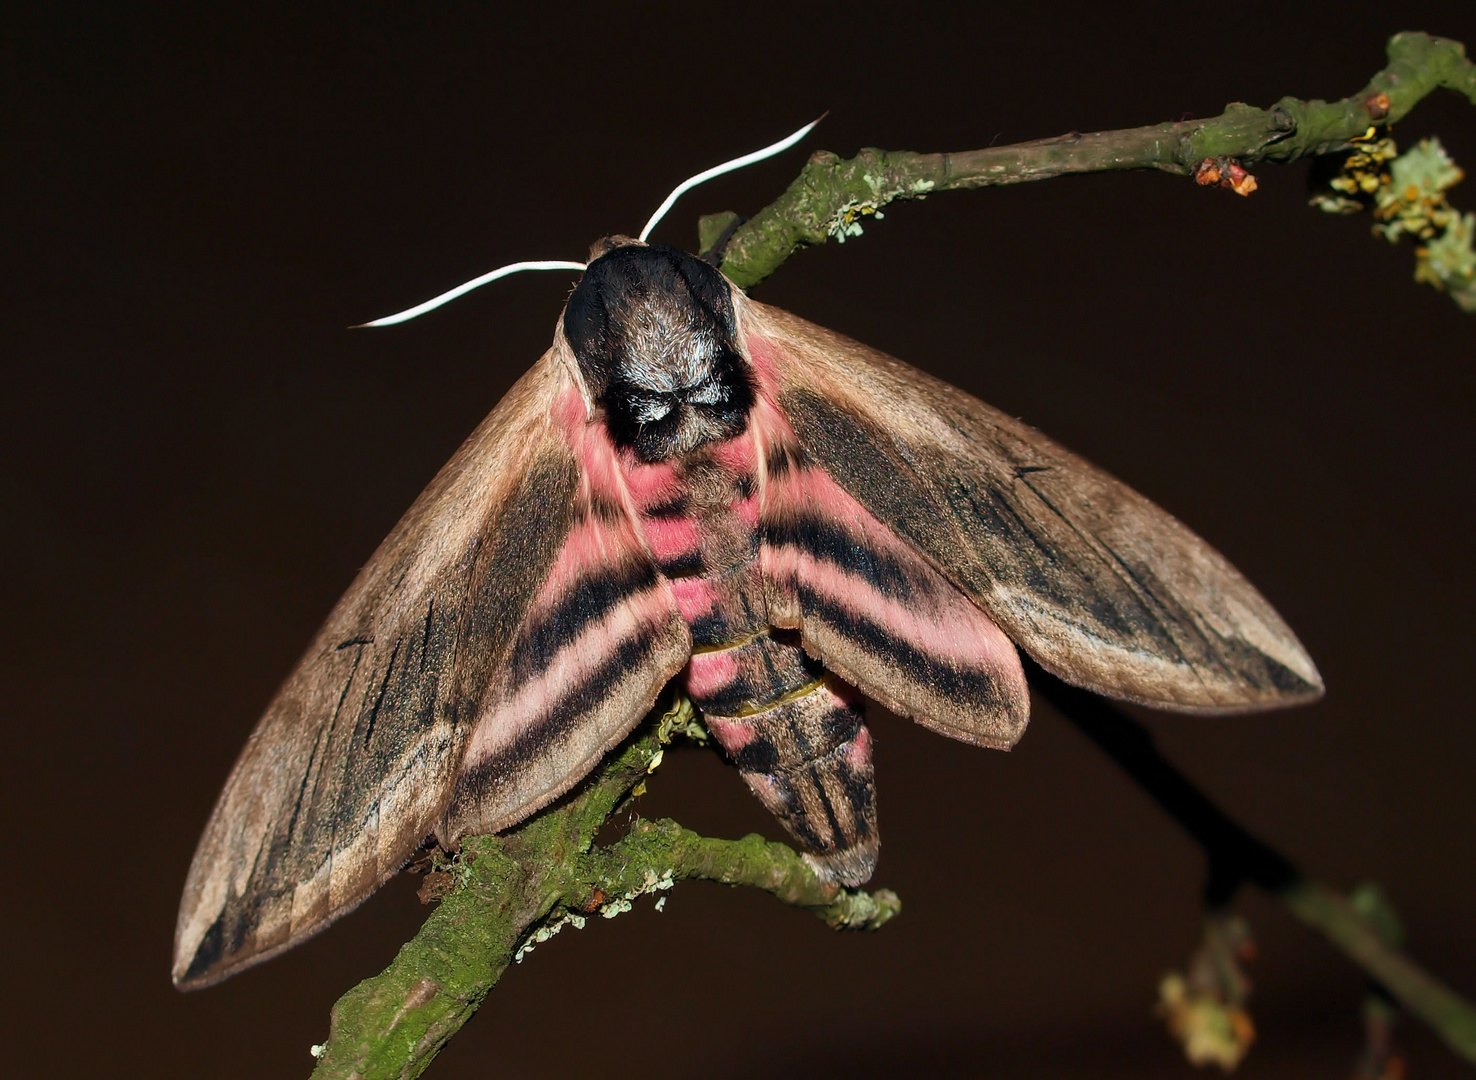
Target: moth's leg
[[808, 759]]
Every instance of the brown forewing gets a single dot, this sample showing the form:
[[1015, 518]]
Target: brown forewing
[[355, 760], [1095, 582]]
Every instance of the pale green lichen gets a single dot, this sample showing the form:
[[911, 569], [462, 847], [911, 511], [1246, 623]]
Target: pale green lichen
[[1448, 261], [681, 719], [546, 931], [654, 883], [1406, 193], [1210, 1031], [1412, 202], [651, 882], [847, 222], [1204, 1005]]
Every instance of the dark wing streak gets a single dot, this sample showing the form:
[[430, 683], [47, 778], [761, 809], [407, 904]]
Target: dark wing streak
[[430, 610], [322, 741], [389, 669], [1047, 552], [1170, 625], [1172, 622], [1117, 565], [361, 739]]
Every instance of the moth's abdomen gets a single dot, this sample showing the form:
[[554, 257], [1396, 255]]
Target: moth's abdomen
[[794, 730], [736, 678], [807, 756]]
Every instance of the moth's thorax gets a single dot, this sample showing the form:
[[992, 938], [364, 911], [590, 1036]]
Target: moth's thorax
[[654, 333]]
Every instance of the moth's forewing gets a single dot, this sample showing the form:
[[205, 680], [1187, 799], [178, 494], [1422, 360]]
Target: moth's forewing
[[356, 759], [1097, 584]]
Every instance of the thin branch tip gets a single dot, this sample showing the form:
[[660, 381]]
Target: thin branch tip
[[831, 197]]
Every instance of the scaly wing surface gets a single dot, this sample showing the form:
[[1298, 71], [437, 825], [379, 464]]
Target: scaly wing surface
[[1096, 583]]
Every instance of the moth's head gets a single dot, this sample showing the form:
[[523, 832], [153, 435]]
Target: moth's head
[[654, 332]]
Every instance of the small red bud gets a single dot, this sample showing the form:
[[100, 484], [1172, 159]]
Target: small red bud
[[1238, 180], [1225, 173], [1207, 173]]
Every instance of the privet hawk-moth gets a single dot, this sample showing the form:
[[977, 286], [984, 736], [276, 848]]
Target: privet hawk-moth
[[692, 485]]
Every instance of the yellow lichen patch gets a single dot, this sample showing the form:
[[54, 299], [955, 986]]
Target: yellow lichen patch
[[1210, 1031], [1363, 173], [1204, 1005]]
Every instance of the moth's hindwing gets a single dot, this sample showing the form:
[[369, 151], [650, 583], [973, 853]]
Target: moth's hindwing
[[601, 638], [870, 606], [1100, 586], [356, 760]]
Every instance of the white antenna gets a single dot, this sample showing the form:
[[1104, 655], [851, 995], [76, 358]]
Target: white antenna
[[718, 170], [466, 287], [558, 264]]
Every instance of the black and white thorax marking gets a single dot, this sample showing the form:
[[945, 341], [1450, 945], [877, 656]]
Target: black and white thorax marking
[[654, 332]]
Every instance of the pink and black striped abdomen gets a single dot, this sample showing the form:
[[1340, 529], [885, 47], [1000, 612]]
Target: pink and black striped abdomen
[[797, 735], [795, 731]]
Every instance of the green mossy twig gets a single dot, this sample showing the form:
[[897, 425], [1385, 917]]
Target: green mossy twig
[[520, 887], [831, 196]]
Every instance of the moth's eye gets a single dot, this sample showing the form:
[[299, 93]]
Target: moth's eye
[[647, 410]]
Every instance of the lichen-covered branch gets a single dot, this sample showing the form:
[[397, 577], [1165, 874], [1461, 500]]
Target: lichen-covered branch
[[393, 1024], [831, 196], [656, 853], [1236, 857], [506, 893]]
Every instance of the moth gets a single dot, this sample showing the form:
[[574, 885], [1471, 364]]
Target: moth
[[691, 485]]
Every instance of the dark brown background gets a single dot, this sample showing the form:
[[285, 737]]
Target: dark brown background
[[198, 456]]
